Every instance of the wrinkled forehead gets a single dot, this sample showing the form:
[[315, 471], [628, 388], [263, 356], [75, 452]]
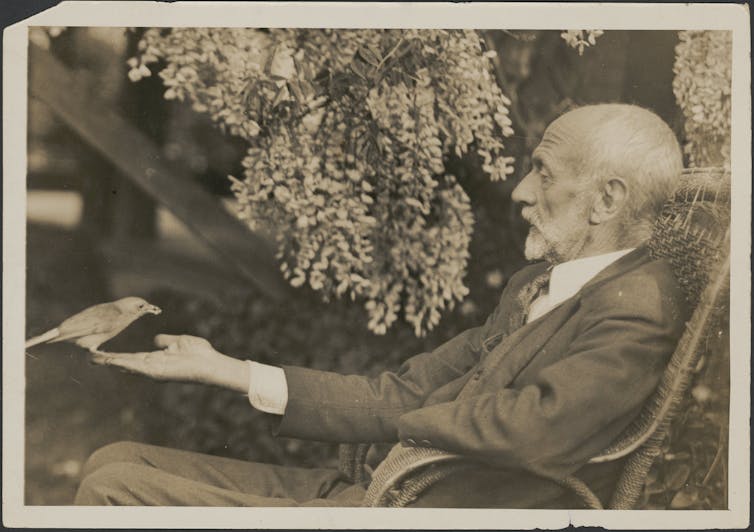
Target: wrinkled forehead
[[564, 140]]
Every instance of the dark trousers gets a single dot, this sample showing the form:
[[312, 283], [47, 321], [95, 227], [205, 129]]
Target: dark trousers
[[128, 473]]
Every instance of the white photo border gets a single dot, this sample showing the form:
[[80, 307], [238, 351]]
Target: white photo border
[[635, 16]]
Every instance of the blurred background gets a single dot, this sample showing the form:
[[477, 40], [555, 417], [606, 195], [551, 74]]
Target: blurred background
[[93, 236]]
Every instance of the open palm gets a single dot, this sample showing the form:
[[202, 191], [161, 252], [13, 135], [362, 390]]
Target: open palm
[[182, 358]]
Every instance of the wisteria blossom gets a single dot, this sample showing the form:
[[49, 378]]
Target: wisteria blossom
[[348, 134]]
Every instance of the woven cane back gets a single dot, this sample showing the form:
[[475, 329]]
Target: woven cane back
[[692, 234]]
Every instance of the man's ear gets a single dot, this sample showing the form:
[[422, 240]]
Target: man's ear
[[609, 201]]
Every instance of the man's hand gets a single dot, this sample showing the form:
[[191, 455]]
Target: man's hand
[[183, 358]]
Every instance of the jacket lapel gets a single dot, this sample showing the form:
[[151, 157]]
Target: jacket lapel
[[516, 350]]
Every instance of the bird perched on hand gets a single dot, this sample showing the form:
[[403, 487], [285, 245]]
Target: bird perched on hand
[[95, 325]]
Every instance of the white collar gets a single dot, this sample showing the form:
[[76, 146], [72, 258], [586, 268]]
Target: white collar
[[569, 277]]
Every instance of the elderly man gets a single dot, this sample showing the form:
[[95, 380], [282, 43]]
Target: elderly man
[[574, 348]]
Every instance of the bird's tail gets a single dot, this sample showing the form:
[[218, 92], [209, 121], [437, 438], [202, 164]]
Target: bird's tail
[[42, 338]]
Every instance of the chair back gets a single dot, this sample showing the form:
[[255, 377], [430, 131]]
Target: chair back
[[692, 234], [691, 231]]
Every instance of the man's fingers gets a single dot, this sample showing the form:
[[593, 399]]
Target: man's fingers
[[164, 340], [98, 358], [129, 361], [106, 359]]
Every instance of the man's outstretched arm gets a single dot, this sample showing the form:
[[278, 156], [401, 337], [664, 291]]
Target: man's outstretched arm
[[371, 406], [183, 358]]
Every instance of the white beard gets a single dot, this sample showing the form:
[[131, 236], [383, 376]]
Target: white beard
[[555, 242], [536, 246]]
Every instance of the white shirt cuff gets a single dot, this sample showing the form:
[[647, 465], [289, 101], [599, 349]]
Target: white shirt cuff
[[268, 388]]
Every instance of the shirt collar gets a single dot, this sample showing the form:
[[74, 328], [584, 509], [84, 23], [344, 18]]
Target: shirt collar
[[569, 277]]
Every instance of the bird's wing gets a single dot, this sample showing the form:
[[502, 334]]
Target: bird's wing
[[93, 320]]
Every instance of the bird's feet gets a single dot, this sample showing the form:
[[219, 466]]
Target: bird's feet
[[98, 357]]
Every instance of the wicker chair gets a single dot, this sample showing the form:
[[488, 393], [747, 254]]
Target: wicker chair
[[693, 235]]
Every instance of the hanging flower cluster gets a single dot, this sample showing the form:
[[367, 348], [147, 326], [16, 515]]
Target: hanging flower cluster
[[348, 132], [580, 39], [702, 87]]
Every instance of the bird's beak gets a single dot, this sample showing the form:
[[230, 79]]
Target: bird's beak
[[154, 310]]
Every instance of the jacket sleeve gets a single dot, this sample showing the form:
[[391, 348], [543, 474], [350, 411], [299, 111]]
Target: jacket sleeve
[[328, 406], [575, 407]]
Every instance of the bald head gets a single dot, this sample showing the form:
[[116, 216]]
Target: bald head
[[599, 178], [626, 142]]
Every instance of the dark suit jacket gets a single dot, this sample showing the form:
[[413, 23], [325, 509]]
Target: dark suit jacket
[[542, 398]]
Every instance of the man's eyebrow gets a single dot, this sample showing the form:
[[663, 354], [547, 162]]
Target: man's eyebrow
[[539, 162]]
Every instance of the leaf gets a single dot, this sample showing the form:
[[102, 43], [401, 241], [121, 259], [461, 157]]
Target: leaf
[[370, 55], [685, 499], [375, 50], [282, 96], [307, 89], [270, 58], [295, 88], [359, 69], [303, 70], [676, 476], [414, 203], [134, 74]]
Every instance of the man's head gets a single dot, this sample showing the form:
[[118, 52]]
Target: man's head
[[599, 178]]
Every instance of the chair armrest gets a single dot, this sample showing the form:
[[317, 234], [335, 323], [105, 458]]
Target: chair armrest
[[409, 471], [420, 467]]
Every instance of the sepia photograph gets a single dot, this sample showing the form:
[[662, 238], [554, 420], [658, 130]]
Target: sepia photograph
[[435, 265]]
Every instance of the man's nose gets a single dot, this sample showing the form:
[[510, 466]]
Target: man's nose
[[524, 192]]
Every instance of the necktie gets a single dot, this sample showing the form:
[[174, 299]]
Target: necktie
[[528, 294]]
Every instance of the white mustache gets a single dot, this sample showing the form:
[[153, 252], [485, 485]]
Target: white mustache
[[530, 216]]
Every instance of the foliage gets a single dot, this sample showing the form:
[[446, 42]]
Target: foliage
[[702, 88], [580, 39], [348, 133]]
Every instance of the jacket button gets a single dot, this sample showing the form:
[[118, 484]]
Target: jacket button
[[411, 441], [478, 374]]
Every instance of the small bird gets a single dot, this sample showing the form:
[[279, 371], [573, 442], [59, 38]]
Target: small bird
[[97, 324]]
